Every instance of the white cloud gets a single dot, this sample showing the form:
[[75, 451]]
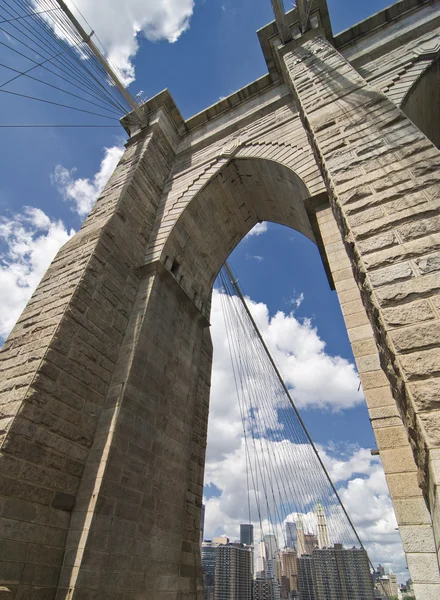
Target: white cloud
[[255, 257], [119, 26], [296, 300], [28, 243], [30, 240], [83, 192], [259, 229], [316, 379]]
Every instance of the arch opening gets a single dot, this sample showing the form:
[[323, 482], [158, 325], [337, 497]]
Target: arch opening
[[245, 192]]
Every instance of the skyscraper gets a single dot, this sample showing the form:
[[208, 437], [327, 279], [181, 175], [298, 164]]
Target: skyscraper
[[323, 537], [266, 589], [209, 555], [233, 573], [247, 534], [272, 545], [291, 534], [305, 578], [289, 569], [310, 542], [301, 546], [271, 548], [261, 560], [341, 574]]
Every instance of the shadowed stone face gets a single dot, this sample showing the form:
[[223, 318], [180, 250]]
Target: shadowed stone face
[[105, 378]]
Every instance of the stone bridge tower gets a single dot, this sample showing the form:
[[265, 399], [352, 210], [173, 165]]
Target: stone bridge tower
[[105, 378]]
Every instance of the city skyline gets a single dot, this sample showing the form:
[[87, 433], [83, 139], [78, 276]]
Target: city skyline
[[323, 572]]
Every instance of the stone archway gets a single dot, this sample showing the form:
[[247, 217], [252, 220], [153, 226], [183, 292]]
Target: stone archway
[[245, 191], [106, 374]]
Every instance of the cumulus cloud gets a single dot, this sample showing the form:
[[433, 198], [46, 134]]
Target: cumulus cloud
[[83, 192], [30, 239], [259, 229], [120, 27], [28, 243], [315, 378]]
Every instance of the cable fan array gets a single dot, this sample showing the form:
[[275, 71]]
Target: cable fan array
[[41, 44], [286, 475], [287, 480]]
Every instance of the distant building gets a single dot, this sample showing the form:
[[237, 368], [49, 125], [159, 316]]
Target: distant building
[[341, 574], [266, 589], [289, 570], [305, 578], [247, 534], [291, 539], [387, 585], [209, 556], [261, 567], [310, 542], [221, 541], [323, 537], [233, 573], [272, 548], [301, 544]]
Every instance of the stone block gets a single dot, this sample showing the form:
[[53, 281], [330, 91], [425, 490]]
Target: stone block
[[407, 291], [373, 379], [368, 363], [428, 264], [426, 591], [421, 364], [409, 314], [398, 460], [430, 422], [417, 538], [364, 348], [423, 568], [391, 437], [426, 394], [358, 334], [423, 335], [390, 275], [378, 397], [13, 551], [356, 320], [403, 485], [412, 511]]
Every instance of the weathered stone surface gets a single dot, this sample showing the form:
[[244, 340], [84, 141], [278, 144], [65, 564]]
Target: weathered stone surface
[[417, 538], [104, 410], [421, 364], [429, 264], [391, 274], [412, 511], [408, 314], [425, 565], [424, 335], [431, 426], [426, 394]]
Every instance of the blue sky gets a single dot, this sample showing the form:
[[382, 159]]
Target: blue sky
[[53, 170]]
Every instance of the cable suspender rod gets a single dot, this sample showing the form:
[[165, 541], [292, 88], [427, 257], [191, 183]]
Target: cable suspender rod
[[87, 38]]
